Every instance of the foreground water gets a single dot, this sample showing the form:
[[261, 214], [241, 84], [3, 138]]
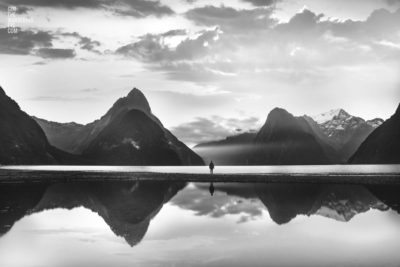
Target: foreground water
[[283, 169], [150, 223]]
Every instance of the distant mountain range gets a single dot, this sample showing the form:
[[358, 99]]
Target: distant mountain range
[[128, 134], [343, 131], [329, 138]]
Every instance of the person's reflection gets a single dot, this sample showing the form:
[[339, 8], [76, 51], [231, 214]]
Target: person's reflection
[[211, 188]]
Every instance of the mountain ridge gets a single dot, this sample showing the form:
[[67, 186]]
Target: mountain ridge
[[22, 140], [76, 138], [382, 146], [338, 133]]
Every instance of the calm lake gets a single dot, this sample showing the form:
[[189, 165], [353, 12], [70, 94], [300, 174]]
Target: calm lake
[[288, 169], [165, 223]]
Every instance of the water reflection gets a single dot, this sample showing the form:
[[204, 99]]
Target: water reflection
[[211, 189], [128, 207], [285, 202]]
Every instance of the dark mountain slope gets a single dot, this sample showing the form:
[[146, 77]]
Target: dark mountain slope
[[64, 136], [22, 141], [132, 138], [83, 138], [382, 146], [285, 139]]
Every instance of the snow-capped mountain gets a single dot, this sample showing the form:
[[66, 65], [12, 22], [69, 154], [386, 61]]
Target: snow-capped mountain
[[326, 116], [343, 131], [339, 123], [339, 119]]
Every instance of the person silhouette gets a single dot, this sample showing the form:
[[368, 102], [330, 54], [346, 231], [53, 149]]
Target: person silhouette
[[211, 189], [211, 166]]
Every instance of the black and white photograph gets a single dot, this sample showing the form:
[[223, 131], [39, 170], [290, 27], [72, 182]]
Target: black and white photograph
[[190, 133]]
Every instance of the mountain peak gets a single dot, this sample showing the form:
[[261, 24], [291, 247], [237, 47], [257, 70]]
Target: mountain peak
[[329, 115], [343, 113], [135, 92], [135, 99], [279, 116], [278, 112], [278, 120]]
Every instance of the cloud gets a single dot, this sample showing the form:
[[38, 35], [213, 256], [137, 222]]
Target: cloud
[[215, 128], [56, 53], [149, 48], [248, 46], [54, 3], [23, 42], [176, 32], [230, 19], [152, 47], [40, 43], [393, 2], [39, 63], [85, 43], [142, 8], [219, 205], [135, 8], [303, 22], [199, 56], [90, 90], [261, 2], [61, 99]]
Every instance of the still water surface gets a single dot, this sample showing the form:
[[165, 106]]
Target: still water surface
[[288, 169], [198, 224]]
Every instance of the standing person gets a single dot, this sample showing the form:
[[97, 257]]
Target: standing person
[[211, 166]]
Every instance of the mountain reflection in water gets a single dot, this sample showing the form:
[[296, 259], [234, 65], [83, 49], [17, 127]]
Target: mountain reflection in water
[[128, 207], [153, 223]]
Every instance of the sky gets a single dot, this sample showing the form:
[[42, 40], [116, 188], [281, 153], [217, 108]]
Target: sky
[[209, 68]]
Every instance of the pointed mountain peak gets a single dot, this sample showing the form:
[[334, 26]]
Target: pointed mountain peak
[[278, 115], [278, 112], [342, 112], [329, 115], [279, 118], [135, 99], [135, 92]]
